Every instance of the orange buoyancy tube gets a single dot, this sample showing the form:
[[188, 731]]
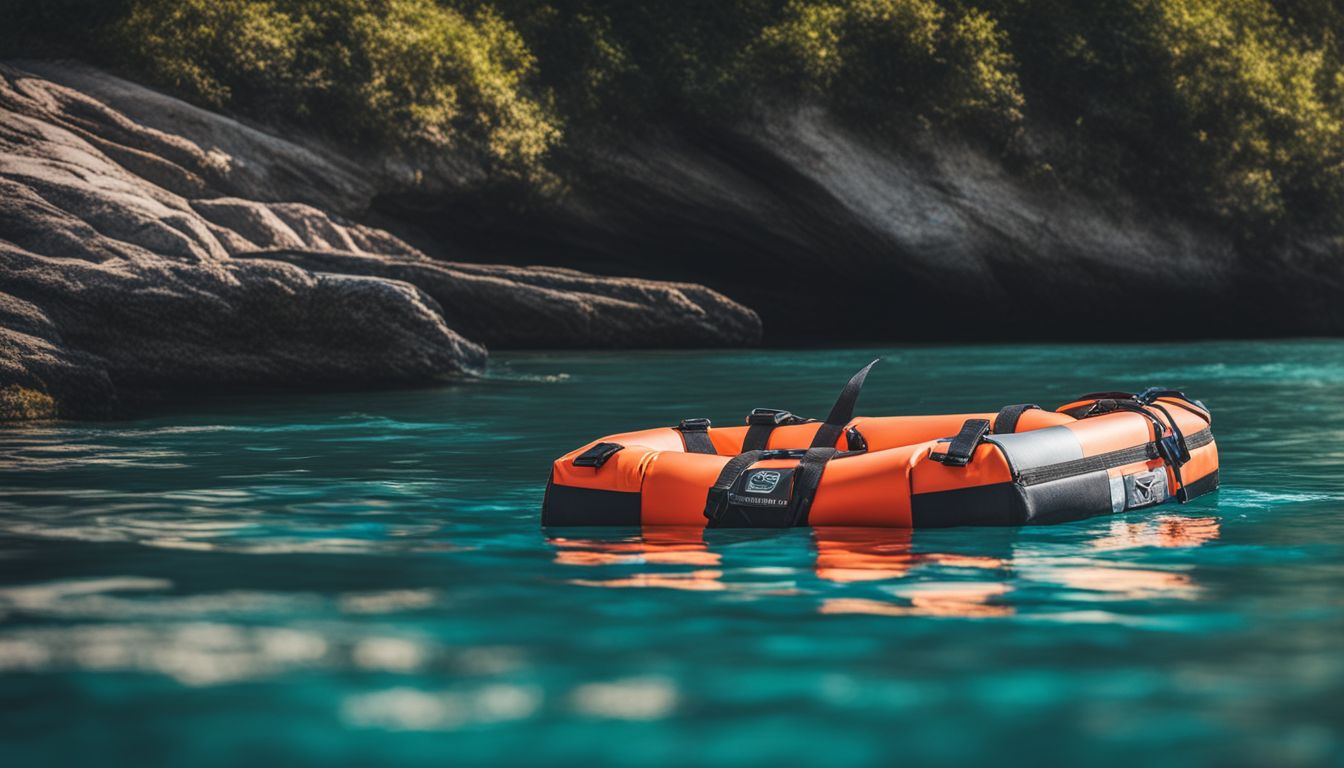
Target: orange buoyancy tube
[[1102, 454]]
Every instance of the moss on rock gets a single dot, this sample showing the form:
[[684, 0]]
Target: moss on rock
[[22, 404]]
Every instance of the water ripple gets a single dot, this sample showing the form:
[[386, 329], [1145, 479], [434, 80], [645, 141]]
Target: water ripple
[[366, 572]]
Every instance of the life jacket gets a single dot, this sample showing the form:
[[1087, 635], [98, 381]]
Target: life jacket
[[1104, 453]]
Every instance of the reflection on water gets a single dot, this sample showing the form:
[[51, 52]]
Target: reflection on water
[[671, 546], [666, 546], [925, 582], [967, 600], [873, 554], [1161, 531]]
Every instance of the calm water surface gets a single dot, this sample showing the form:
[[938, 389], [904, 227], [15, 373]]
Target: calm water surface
[[362, 578]]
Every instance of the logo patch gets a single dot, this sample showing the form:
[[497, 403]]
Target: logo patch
[[761, 488], [763, 481], [1145, 489]]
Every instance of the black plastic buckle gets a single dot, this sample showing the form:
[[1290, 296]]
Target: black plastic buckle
[[964, 444], [597, 455], [772, 417], [1173, 451], [854, 440], [694, 425]]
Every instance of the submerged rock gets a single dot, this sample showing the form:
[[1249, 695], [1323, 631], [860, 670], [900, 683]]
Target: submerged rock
[[156, 247]]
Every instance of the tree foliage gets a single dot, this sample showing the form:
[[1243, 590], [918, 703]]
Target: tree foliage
[[1231, 108], [886, 60], [367, 71]]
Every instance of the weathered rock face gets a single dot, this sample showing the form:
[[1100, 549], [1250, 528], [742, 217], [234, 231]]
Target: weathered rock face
[[197, 253], [515, 307], [830, 232]]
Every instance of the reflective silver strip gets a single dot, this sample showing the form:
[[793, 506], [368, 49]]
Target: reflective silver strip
[[1038, 447], [1117, 494]]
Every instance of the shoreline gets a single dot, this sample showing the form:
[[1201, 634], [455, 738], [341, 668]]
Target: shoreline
[[134, 258], [150, 245]]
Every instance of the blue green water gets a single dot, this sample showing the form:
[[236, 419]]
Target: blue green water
[[361, 578]]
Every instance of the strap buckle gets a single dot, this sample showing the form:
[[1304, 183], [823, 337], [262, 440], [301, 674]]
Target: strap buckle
[[694, 425], [963, 446], [772, 417], [854, 440], [1173, 451]]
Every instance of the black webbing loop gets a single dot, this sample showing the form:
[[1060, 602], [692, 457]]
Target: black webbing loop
[[963, 446], [695, 434], [1174, 451], [1146, 397], [1006, 422], [842, 411], [1151, 395], [806, 479], [717, 500], [1171, 449], [598, 455]]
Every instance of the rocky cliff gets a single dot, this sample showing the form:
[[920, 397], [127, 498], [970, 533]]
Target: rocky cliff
[[149, 246], [830, 232]]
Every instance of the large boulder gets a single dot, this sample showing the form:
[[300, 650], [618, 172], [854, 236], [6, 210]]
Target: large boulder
[[514, 307], [136, 260]]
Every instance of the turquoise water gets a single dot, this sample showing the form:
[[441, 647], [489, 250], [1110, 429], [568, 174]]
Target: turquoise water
[[361, 578]]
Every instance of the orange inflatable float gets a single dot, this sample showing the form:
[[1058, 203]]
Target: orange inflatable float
[[1104, 453]]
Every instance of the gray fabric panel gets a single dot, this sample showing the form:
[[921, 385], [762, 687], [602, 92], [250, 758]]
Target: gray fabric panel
[[1039, 447], [1072, 498]]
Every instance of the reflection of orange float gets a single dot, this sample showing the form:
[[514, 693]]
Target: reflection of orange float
[[680, 559], [847, 555], [1102, 454]]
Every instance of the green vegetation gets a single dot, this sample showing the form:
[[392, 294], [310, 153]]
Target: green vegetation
[[380, 71], [22, 404], [883, 61], [1227, 108]]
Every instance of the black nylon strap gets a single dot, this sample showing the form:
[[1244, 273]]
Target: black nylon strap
[[806, 479], [762, 423], [964, 444], [1174, 451], [842, 411], [717, 499], [1006, 422], [695, 434], [758, 436]]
